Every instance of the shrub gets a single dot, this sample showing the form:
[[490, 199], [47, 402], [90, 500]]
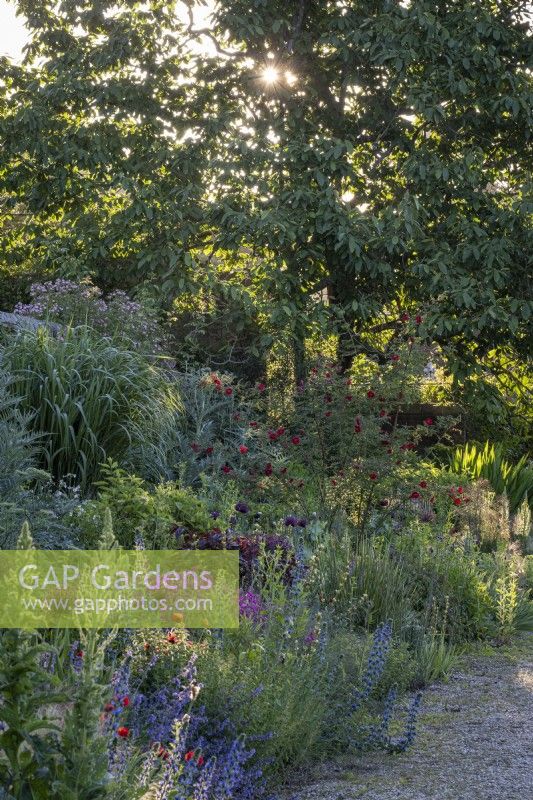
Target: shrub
[[18, 446], [117, 316], [84, 395], [159, 515]]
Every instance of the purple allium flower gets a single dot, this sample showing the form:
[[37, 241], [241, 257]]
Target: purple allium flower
[[242, 507], [311, 638], [291, 521], [250, 605], [215, 514]]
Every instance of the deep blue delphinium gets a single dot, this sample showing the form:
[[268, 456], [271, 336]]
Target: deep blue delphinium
[[376, 663], [405, 741]]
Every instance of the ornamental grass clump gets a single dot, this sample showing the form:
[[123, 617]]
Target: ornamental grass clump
[[87, 397]]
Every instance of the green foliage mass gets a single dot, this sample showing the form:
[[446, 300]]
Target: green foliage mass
[[91, 398], [385, 165]]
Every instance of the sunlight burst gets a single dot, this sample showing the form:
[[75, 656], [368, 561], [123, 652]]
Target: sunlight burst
[[270, 75]]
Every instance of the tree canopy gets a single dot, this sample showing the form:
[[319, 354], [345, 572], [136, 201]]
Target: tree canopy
[[332, 163]]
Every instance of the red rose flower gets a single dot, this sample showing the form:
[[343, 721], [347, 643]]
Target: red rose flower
[[327, 414], [428, 421], [268, 469], [243, 449], [348, 398], [395, 357], [382, 413], [272, 435], [457, 501], [296, 440], [228, 391], [254, 424], [373, 476], [460, 490], [423, 484], [195, 447], [280, 431], [414, 495], [418, 319], [261, 387], [123, 732], [125, 702], [370, 394], [404, 318], [226, 469]]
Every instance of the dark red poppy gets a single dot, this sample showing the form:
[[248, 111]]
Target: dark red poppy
[[123, 732], [189, 755], [125, 701]]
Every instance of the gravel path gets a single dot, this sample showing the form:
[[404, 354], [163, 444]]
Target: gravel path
[[475, 741]]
